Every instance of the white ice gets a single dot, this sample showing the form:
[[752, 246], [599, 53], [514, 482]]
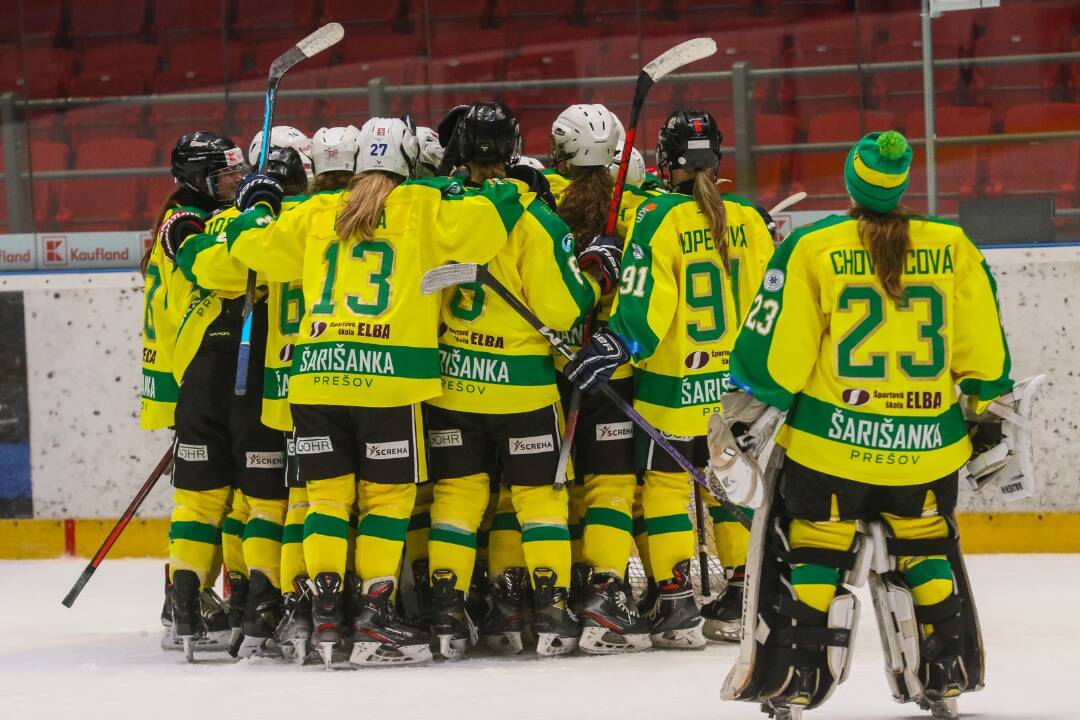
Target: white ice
[[101, 660]]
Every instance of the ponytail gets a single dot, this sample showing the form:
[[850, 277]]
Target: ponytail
[[585, 203], [711, 206], [330, 180], [367, 195], [885, 236]]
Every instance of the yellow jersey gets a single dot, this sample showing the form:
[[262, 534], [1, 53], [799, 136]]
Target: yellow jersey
[[869, 383]]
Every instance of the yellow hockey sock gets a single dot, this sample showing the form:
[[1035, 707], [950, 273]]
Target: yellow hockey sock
[[380, 534], [195, 530], [641, 532], [608, 534], [732, 539], [545, 538], [456, 512], [576, 522], [416, 540], [326, 527], [504, 539], [292, 538], [232, 534], [929, 577], [667, 520], [815, 585], [262, 537]]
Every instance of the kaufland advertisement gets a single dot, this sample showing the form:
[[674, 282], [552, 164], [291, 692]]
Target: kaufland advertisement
[[72, 251]]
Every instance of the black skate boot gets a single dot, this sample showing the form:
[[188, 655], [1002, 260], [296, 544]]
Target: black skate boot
[[797, 687], [293, 633], [187, 622], [675, 621], [262, 613], [169, 641], [422, 587], [580, 579], [610, 623], [327, 617], [557, 630], [723, 616], [476, 601], [379, 635], [649, 595], [452, 626], [944, 679], [503, 625], [238, 595]]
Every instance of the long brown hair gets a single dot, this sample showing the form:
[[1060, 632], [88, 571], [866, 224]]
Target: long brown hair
[[367, 195], [178, 197], [711, 204], [330, 180], [886, 237], [585, 202]]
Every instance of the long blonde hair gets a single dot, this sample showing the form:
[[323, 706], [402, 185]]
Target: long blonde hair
[[330, 180], [711, 204], [367, 195], [585, 202], [886, 237]]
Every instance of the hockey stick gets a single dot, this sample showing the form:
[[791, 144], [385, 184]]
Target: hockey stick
[[788, 202], [323, 38], [114, 534], [703, 553], [455, 274], [668, 62]]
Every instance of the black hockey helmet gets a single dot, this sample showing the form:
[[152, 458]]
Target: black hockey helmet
[[689, 140], [200, 156], [286, 166], [488, 133]]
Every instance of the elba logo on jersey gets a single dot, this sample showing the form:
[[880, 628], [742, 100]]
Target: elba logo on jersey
[[696, 360], [318, 327], [855, 396], [532, 445], [286, 353]]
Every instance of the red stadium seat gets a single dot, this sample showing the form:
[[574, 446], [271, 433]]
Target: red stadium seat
[[40, 21], [809, 95], [350, 12], [123, 60], [771, 169], [1038, 168], [85, 122], [384, 46], [535, 128], [901, 92], [106, 203], [958, 168], [1002, 86], [821, 173], [543, 66], [813, 32], [46, 156], [464, 70], [204, 57], [261, 19], [188, 17], [158, 188], [106, 18], [169, 121], [953, 28], [37, 71], [551, 11], [1037, 19]]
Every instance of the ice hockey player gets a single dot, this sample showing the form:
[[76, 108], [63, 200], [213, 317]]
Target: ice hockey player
[[365, 359], [692, 259], [499, 404], [283, 136], [206, 168], [252, 529], [863, 326], [583, 144]]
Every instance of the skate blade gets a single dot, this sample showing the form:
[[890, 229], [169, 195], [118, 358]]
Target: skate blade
[[189, 648], [294, 650], [507, 643], [783, 712], [452, 648], [721, 631], [204, 642], [685, 639], [553, 644], [940, 709], [374, 654], [326, 652], [601, 641], [257, 647]]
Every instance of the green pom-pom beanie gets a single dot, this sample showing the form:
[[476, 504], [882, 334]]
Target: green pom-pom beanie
[[876, 170]]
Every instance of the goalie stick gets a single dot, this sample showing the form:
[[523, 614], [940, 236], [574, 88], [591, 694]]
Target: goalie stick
[[663, 65], [455, 274], [114, 534], [323, 38]]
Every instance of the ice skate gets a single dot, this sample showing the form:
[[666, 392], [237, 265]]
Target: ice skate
[[648, 597], [943, 681], [185, 610], [452, 625], [674, 620], [476, 601], [503, 625], [723, 616], [580, 578], [610, 622], [293, 633], [262, 614], [940, 709], [238, 594], [214, 632], [557, 630], [379, 635], [422, 587], [327, 618]]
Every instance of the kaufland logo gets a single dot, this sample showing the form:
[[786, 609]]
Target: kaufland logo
[[7, 257], [54, 250]]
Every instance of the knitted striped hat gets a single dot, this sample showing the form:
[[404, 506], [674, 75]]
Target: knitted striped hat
[[876, 171]]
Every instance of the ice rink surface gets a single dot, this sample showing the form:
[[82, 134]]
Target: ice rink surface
[[102, 660]]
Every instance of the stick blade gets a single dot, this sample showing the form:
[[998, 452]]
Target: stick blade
[[788, 202], [328, 35], [682, 54], [447, 276]]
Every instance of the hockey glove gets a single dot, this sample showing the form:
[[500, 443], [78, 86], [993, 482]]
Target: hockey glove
[[770, 224], [255, 189], [177, 228], [536, 182], [597, 361], [1001, 435], [603, 258]]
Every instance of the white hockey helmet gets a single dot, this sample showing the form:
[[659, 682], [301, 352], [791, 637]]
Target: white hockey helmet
[[635, 173], [390, 145], [431, 152], [335, 148], [530, 162], [584, 136], [283, 136]]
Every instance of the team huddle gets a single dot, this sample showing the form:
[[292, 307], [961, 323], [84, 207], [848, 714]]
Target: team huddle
[[413, 470]]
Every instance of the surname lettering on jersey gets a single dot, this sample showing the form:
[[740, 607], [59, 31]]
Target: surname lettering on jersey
[[702, 390], [884, 434], [919, 261], [473, 367], [345, 359], [701, 239]]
